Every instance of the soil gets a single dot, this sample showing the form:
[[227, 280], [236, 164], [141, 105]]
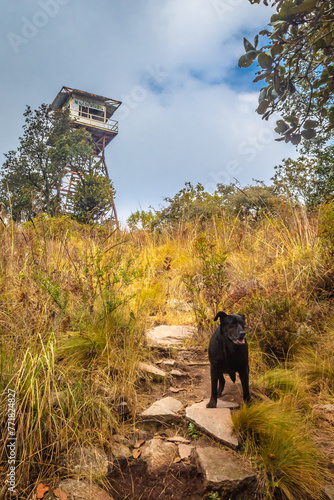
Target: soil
[[178, 482]]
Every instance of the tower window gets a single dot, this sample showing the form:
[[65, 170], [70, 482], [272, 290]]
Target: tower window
[[91, 113]]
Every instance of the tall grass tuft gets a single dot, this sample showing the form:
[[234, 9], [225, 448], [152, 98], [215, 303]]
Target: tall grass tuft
[[277, 438]]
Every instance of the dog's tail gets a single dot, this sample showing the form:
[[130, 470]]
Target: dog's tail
[[220, 315]]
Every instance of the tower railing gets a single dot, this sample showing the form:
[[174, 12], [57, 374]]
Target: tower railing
[[94, 120]]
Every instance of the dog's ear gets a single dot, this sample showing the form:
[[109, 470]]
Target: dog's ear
[[220, 315]]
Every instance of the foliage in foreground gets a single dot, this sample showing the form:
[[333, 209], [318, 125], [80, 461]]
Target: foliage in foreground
[[297, 68]]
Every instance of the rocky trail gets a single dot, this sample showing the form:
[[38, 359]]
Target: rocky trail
[[184, 450], [179, 448]]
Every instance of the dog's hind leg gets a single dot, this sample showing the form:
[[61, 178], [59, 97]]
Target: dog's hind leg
[[244, 378], [221, 384]]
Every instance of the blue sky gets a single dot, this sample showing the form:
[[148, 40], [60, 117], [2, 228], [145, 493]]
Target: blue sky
[[188, 110]]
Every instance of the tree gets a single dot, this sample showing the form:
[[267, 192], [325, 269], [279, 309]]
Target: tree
[[298, 68], [252, 202], [94, 195], [189, 204], [28, 174], [309, 180], [193, 203], [32, 175]]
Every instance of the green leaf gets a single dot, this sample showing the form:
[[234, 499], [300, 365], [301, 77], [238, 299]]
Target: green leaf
[[248, 46], [246, 60], [331, 117], [295, 139], [286, 10], [256, 41], [281, 127], [265, 61], [309, 133], [317, 83], [264, 33], [310, 124], [260, 77], [262, 108], [330, 70], [277, 82], [293, 119], [276, 23], [276, 49], [262, 95], [305, 7]]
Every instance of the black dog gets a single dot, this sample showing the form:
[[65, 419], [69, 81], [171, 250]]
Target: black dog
[[228, 353]]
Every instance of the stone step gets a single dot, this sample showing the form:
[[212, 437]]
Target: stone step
[[223, 470], [82, 490], [164, 410], [152, 370], [158, 454], [216, 422], [169, 336]]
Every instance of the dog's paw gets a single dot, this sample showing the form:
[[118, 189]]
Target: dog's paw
[[212, 404]]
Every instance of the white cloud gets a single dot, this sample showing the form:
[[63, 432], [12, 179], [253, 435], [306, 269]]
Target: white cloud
[[160, 58]]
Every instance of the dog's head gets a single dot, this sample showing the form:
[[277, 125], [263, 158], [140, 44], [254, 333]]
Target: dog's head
[[233, 327]]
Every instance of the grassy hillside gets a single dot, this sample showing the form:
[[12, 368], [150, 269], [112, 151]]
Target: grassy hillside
[[75, 302]]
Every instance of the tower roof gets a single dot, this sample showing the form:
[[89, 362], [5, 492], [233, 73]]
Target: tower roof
[[67, 92]]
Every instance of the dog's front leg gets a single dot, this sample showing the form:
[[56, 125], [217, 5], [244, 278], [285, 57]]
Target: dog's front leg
[[221, 384], [214, 371], [244, 378]]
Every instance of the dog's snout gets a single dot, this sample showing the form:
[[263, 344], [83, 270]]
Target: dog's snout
[[242, 334]]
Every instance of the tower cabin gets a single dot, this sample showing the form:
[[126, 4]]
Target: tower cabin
[[92, 112]]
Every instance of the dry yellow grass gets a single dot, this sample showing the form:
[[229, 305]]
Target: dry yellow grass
[[75, 302]]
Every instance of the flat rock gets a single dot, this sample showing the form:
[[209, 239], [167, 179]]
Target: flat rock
[[178, 439], [120, 451], [152, 370], [168, 362], [165, 336], [329, 408], [220, 404], [163, 410], [185, 451], [222, 469], [178, 373], [83, 490], [86, 462], [214, 421], [158, 454], [329, 490]]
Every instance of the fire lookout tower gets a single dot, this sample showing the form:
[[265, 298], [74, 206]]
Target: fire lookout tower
[[93, 113]]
